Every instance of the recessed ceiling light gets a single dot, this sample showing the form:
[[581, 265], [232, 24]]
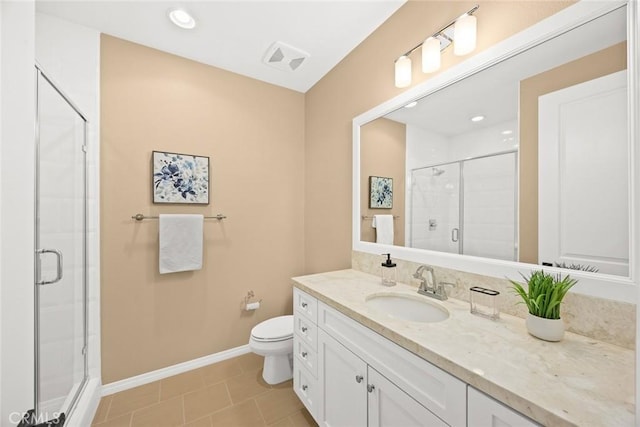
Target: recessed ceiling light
[[411, 104], [477, 118], [182, 19], [507, 132]]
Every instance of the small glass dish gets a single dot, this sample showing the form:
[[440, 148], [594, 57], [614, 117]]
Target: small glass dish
[[484, 302]]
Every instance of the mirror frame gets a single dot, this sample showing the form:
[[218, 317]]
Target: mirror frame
[[606, 286]]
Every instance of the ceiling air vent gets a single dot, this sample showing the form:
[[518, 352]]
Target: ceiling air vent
[[284, 57]]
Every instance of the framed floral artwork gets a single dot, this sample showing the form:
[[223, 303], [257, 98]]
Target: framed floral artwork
[[180, 178], [380, 192]]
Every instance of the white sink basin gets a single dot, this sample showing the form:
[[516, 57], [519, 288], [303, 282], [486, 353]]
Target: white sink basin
[[408, 307]]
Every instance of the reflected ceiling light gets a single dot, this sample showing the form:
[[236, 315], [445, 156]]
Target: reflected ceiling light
[[460, 32], [477, 118], [182, 19], [507, 132], [411, 104]]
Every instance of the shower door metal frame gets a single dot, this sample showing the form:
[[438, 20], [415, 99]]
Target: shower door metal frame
[[461, 194], [85, 275]]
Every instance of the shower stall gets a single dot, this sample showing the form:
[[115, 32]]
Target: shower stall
[[466, 207], [61, 369]]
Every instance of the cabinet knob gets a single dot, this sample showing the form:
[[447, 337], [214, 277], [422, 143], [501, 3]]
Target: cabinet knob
[[304, 329], [304, 387], [370, 388], [304, 354], [359, 378], [304, 305]]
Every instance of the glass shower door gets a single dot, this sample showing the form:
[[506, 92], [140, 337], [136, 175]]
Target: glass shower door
[[435, 208], [60, 253]]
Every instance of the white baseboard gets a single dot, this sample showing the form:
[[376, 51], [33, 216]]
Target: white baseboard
[[169, 371]]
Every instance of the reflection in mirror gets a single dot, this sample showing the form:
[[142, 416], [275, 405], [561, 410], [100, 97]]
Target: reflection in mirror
[[525, 161]]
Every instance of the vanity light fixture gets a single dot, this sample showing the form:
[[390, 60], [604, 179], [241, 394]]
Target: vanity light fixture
[[182, 19], [403, 71], [461, 32], [464, 31]]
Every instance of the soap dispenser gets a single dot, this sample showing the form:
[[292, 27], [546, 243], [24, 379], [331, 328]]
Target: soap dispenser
[[388, 272]]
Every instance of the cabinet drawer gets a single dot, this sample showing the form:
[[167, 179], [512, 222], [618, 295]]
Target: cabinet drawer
[[305, 356], [305, 305], [306, 331], [442, 393], [306, 388]]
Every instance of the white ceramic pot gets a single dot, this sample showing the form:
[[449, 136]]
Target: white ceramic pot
[[545, 329]]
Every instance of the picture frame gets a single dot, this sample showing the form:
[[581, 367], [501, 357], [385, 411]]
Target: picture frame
[[380, 192], [180, 178]]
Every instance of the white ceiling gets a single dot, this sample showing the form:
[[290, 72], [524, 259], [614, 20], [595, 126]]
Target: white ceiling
[[235, 34]]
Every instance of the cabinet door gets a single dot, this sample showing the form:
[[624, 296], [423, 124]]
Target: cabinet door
[[342, 383], [389, 406], [483, 411]]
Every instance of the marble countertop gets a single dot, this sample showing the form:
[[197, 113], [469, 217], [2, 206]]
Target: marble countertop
[[576, 382]]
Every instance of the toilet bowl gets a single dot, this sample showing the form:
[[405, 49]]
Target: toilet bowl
[[273, 339]]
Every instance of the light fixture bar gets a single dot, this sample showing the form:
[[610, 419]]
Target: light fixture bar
[[440, 32]]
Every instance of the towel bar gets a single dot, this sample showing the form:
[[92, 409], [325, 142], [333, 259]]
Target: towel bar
[[370, 217], [140, 217]]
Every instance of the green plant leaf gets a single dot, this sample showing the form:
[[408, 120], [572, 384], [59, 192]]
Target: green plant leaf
[[545, 292]]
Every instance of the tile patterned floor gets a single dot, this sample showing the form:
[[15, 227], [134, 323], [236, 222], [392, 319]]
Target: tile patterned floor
[[229, 393]]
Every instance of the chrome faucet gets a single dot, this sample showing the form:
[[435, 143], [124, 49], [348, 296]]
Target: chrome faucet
[[429, 286], [425, 286]]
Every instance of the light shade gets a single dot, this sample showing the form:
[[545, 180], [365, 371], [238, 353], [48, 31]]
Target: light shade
[[403, 71], [182, 19], [464, 33], [430, 55]]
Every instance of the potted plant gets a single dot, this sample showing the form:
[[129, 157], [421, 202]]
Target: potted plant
[[543, 299]]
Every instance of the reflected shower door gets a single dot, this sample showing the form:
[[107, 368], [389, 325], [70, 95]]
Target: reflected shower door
[[435, 208], [60, 254], [489, 212]]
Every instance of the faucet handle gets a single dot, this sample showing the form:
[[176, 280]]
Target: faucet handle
[[442, 289]]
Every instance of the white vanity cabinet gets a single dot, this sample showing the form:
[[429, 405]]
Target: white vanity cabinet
[[348, 375], [485, 411], [342, 384], [305, 345], [353, 393]]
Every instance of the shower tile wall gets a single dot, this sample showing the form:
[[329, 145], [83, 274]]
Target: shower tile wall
[[490, 207], [70, 54]]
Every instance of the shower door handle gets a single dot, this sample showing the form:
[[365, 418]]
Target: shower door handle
[[58, 255], [454, 234]]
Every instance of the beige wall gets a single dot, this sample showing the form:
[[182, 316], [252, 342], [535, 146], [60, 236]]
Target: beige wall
[[363, 80], [596, 65], [253, 133], [383, 153]]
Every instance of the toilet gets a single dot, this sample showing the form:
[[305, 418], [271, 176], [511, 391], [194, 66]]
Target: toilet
[[273, 339]]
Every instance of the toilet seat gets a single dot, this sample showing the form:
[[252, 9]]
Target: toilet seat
[[272, 330]]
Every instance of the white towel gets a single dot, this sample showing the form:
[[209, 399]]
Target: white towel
[[384, 228], [180, 243]]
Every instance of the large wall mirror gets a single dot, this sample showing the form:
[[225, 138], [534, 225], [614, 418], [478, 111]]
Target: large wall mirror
[[519, 157]]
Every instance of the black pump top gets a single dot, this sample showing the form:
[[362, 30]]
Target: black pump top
[[388, 263]]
